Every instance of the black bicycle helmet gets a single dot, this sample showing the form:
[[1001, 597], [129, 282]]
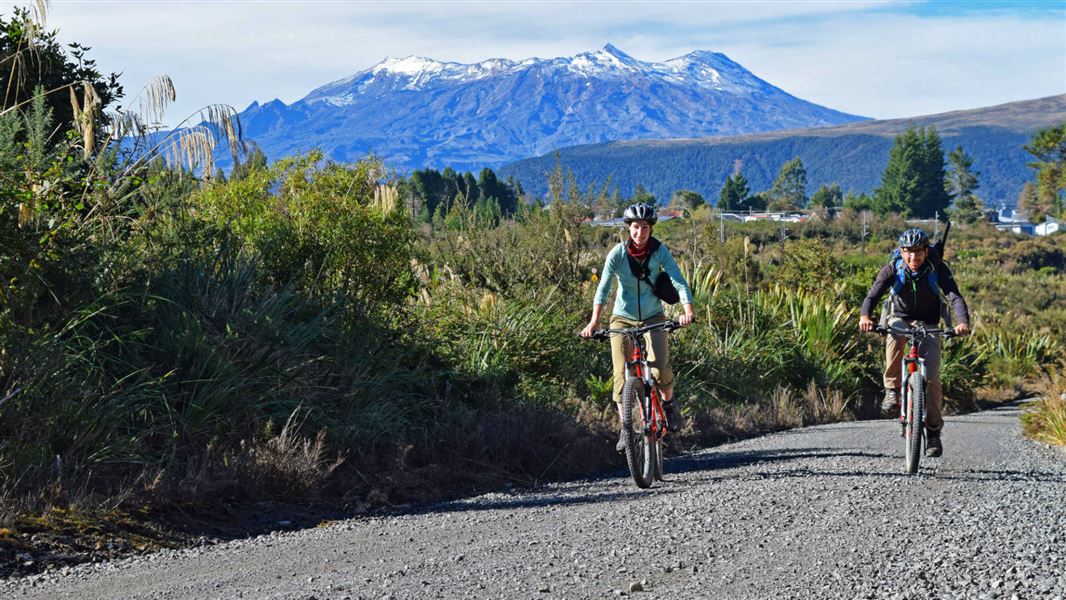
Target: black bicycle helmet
[[640, 212], [913, 237]]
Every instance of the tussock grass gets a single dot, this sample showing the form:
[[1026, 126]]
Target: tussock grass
[[1045, 419]]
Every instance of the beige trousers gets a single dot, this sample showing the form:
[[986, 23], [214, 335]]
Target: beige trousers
[[929, 349], [658, 354]]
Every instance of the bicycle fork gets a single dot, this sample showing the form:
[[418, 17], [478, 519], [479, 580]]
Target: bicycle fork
[[651, 409], [912, 363]]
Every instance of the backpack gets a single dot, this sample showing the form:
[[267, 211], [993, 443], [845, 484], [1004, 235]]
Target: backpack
[[901, 272], [663, 288], [934, 259]]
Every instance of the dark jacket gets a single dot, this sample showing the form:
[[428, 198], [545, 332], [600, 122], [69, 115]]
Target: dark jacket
[[916, 300]]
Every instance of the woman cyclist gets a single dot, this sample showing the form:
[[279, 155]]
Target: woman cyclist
[[636, 305]]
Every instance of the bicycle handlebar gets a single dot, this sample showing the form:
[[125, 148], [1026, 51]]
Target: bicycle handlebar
[[920, 331], [603, 334]]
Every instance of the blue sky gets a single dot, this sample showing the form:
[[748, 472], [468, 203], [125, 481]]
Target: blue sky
[[882, 59]]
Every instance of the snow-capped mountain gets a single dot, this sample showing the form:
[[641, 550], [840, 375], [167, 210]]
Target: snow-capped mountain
[[417, 112]]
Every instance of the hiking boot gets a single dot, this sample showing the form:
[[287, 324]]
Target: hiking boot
[[674, 420], [620, 447], [891, 401], [933, 447]]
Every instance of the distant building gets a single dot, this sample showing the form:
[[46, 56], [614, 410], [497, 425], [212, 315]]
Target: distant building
[[1048, 227], [1018, 222], [1012, 220]]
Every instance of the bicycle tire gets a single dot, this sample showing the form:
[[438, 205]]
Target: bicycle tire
[[657, 440], [639, 453], [915, 422], [658, 462]]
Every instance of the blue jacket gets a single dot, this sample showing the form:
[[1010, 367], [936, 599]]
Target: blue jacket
[[628, 303]]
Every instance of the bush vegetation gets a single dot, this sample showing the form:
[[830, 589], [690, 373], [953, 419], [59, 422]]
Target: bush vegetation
[[1045, 419], [297, 331]]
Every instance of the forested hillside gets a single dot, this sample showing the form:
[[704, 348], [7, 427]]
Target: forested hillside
[[853, 156]]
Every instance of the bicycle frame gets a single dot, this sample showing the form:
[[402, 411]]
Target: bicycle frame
[[637, 366], [911, 362]]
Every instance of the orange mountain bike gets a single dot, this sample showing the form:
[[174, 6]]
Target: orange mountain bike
[[643, 419], [912, 389]]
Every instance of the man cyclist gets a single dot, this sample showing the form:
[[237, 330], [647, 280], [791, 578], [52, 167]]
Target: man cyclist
[[916, 281], [636, 305]]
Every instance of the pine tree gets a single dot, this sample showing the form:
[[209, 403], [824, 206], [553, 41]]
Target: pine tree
[[756, 202], [858, 202], [451, 187], [899, 180], [640, 194], [1048, 147], [556, 181], [469, 189], [789, 190], [828, 196], [734, 192], [932, 196], [486, 213], [428, 186], [960, 184], [1029, 201], [912, 183], [686, 200], [256, 160]]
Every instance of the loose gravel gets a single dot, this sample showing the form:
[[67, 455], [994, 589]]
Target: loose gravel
[[822, 512]]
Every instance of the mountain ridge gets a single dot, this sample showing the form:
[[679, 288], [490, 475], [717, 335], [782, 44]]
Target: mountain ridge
[[416, 112]]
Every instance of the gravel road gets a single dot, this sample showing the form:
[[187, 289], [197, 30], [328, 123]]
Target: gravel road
[[822, 512]]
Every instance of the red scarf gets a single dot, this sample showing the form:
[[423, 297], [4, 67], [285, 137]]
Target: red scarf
[[638, 253]]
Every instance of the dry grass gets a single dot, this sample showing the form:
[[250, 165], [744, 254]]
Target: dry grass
[[786, 408], [1045, 419], [287, 466], [826, 405]]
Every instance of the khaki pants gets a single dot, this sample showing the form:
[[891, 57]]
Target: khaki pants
[[929, 350], [658, 354]]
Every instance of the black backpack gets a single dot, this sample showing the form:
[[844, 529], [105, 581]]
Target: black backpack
[[663, 288], [935, 258]]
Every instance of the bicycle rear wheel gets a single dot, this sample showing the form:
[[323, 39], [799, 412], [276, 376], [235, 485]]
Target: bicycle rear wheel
[[640, 453], [915, 425]]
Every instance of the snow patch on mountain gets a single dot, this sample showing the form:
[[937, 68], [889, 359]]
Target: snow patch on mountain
[[417, 111], [709, 70]]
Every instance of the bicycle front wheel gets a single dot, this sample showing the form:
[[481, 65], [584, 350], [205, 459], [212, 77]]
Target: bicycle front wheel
[[915, 425], [640, 453], [657, 445]]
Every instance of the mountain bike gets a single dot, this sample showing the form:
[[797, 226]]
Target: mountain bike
[[912, 388], [643, 418]]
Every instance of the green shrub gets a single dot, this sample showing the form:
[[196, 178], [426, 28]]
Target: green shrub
[[321, 227]]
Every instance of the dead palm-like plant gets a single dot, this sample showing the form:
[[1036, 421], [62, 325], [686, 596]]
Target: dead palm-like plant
[[190, 145], [33, 24]]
